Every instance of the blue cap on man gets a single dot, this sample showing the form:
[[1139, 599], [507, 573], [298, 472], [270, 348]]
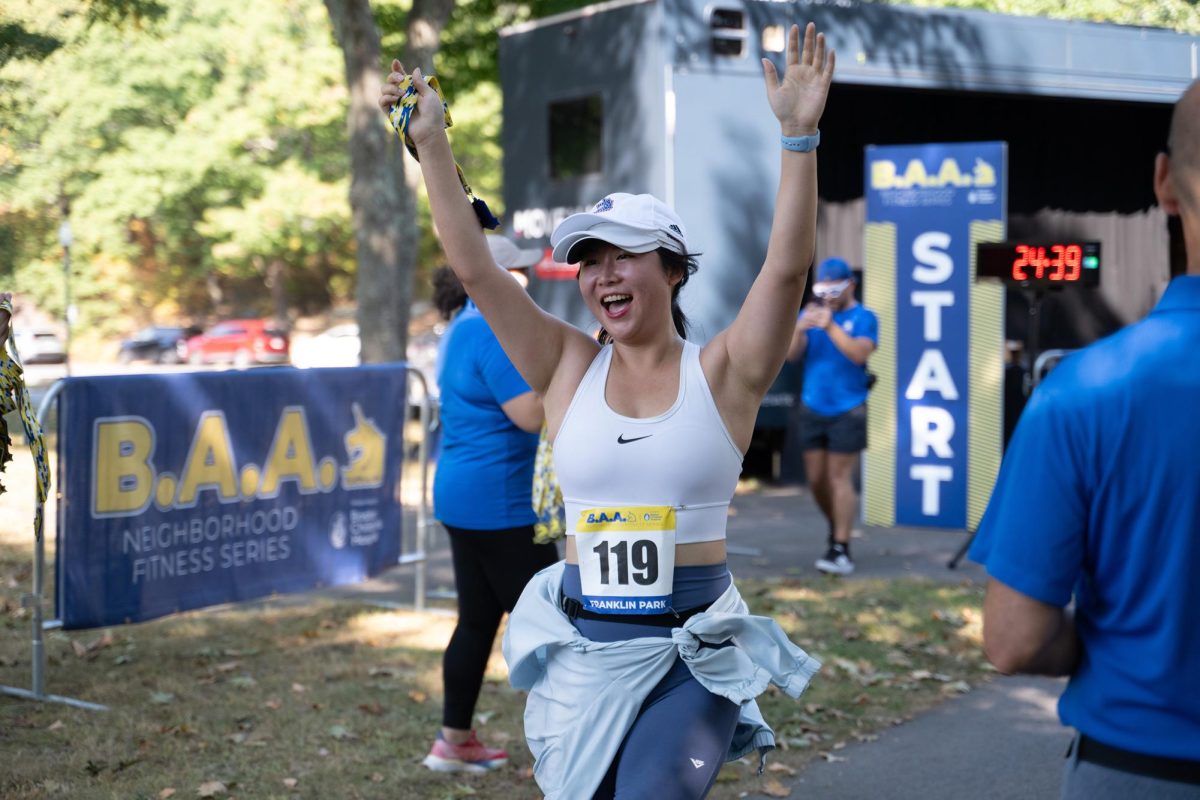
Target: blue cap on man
[[833, 269]]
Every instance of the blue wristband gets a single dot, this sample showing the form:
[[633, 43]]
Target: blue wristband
[[801, 144]]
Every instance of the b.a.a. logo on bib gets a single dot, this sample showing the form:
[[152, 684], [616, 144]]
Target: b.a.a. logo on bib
[[626, 559]]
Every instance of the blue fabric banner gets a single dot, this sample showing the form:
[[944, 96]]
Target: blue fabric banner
[[186, 490], [932, 194]]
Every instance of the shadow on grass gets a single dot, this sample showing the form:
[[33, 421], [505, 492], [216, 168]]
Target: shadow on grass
[[305, 696]]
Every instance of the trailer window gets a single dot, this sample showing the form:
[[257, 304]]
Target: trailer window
[[728, 26], [575, 137]]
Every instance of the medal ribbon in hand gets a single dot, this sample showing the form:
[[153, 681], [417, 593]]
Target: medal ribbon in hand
[[15, 396], [400, 115]]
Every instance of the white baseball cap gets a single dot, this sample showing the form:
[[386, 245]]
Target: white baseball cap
[[636, 223], [509, 256]]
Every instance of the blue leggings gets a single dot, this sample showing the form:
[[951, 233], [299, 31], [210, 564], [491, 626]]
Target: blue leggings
[[682, 733]]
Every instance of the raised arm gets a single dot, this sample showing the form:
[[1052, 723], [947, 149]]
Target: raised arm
[[532, 339], [758, 340]]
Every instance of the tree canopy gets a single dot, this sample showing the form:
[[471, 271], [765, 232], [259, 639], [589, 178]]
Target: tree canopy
[[201, 145]]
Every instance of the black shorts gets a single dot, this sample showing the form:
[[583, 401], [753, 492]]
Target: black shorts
[[845, 433]]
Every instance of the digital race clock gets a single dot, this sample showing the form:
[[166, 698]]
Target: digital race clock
[[1043, 265]]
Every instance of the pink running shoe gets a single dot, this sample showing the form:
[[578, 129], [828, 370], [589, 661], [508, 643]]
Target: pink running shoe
[[470, 756]]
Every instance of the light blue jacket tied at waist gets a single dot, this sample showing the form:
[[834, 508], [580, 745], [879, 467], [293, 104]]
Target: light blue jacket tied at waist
[[585, 695]]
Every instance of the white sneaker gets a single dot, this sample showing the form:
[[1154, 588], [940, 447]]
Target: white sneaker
[[835, 562]]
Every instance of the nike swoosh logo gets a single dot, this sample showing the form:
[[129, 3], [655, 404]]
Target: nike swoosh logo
[[622, 440]]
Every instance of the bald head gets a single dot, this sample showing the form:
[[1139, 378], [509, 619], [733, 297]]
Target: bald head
[[1184, 141]]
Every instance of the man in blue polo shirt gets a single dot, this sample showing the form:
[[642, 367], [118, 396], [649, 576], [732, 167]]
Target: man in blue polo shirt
[[1098, 499], [836, 336]]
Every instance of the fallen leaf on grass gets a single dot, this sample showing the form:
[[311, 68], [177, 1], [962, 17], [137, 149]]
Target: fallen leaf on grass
[[417, 696], [122, 659], [290, 783], [165, 793], [56, 725], [773, 788], [274, 704], [228, 666], [957, 687], [775, 766], [376, 777], [210, 789], [341, 732], [162, 698], [831, 757], [374, 709], [242, 681], [79, 648], [298, 688]]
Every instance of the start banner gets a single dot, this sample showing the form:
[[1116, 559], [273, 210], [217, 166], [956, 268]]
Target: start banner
[[934, 417], [180, 491]]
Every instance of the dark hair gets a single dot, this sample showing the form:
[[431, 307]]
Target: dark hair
[[448, 292], [685, 264]]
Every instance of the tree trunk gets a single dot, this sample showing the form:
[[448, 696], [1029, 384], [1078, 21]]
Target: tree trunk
[[382, 207], [423, 37], [277, 275]]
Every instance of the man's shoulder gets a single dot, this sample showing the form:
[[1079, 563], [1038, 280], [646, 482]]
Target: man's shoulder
[[863, 313]]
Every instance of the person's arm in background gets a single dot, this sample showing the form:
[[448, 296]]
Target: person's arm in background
[[814, 315], [856, 348], [525, 411], [1033, 535], [1021, 634]]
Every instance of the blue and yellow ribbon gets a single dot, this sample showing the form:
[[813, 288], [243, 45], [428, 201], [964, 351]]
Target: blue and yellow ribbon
[[14, 396], [401, 114], [547, 495]]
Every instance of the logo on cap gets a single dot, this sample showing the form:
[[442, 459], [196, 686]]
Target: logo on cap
[[676, 229], [605, 204]]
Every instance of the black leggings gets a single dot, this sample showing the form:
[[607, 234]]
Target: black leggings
[[491, 569]]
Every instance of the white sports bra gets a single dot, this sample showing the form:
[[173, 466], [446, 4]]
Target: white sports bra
[[684, 457]]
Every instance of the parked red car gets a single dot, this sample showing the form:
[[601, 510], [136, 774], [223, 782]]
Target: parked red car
[[241, 342]]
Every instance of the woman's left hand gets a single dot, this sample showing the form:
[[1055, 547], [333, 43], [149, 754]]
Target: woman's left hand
[[799, 98]]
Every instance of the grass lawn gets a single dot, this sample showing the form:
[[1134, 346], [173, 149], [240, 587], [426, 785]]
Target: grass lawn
[[305, 697]]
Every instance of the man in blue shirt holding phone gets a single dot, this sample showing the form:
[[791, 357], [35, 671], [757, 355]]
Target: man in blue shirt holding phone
[[836, 335]]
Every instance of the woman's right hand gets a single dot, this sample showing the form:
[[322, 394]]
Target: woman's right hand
[[428, 118]]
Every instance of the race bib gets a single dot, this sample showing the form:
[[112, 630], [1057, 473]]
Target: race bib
[[626, 559]]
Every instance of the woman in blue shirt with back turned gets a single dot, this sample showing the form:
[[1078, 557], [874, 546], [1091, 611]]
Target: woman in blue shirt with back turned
[[481, 494]]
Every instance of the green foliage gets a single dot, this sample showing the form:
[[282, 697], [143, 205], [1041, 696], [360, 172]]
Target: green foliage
[[194, 146], [1182, 15], [202, 141]]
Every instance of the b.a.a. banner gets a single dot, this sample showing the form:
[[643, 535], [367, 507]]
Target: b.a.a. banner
[[934, 418], [186, 490]]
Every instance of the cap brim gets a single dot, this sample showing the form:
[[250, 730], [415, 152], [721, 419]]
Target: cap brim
[[631, 240], [525, 259]]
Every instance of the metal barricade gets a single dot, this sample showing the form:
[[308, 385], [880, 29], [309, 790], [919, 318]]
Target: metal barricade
[[35, 600]]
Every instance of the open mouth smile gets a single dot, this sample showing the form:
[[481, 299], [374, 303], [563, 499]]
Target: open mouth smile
[[615, 305]]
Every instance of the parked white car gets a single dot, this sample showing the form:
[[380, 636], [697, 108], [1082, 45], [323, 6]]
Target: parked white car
[[336, 347], [39, 346], [339, 346]]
